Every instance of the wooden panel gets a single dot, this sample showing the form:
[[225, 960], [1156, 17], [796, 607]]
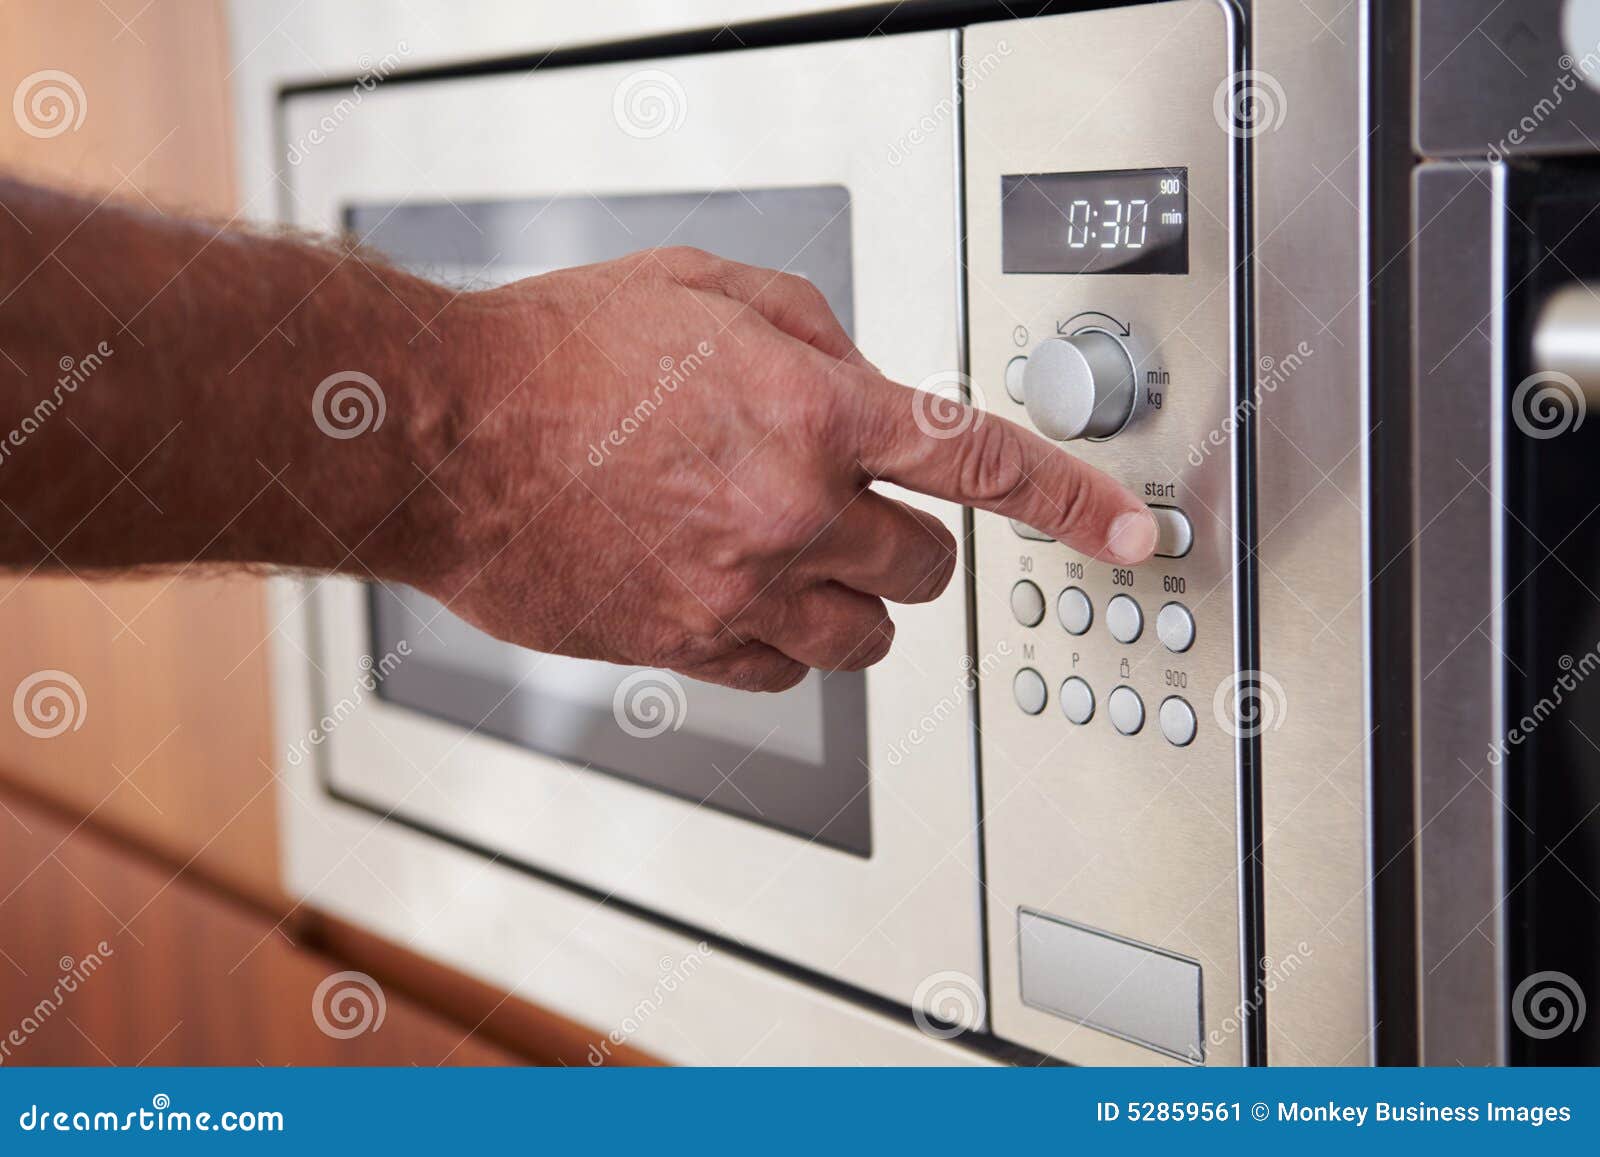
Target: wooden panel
[[109, 958], [155, 98]]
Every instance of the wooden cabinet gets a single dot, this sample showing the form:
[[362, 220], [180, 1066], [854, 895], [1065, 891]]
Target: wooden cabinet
[[108, 957]]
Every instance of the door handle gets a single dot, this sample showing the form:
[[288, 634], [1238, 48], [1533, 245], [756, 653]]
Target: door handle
[[1566, 338]]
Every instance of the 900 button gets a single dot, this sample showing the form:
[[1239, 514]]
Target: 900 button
[[1177, 721]]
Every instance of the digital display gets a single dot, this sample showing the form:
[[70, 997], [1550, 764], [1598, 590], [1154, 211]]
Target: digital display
[[1117, 221]]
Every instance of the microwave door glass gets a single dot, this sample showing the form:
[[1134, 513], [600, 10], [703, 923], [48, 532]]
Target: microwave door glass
[[797, 761]]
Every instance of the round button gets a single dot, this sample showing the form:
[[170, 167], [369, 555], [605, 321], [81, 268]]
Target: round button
[[1127, 710], [1177, 721], [1077, 700], [1030, 691], [1080, 386], [1074, 610], [1013, 378], [1027, 603], [1124, 619], [1175, 628]]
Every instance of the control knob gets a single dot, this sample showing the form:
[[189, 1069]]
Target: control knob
[[1080, 386]]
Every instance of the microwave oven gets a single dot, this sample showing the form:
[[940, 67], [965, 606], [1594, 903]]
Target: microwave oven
[[1241, 805]]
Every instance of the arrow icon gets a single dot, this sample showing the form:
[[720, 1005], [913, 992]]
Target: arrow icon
[[1065, 327]]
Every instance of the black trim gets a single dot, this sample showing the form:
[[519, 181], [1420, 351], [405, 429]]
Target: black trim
[[881, 19], [969, 543], [1391, 530], [1247, 646]]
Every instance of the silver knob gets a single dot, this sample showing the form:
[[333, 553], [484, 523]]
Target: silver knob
[[1079, 386]]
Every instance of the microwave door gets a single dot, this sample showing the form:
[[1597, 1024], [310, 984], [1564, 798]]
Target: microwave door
[[833, 828]]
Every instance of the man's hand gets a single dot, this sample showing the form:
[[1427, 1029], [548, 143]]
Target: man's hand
[[662, 460], [667, 461]]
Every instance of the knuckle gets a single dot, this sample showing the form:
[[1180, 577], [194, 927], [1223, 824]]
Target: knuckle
[[782, 675], [765, 670], [863, 648], [819, 411], [804, 291], [991, 464], [1072, 500], [1068, 503], [686, 262], [936, 576], [732, 601], [693, 647], [795, 522]]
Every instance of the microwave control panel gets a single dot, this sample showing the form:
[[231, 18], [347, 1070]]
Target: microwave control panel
[[1102, 251]]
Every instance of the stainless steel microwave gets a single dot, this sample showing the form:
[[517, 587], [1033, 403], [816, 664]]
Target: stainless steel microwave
[[1251, 803]]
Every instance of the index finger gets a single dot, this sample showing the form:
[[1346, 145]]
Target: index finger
[[942, 447]]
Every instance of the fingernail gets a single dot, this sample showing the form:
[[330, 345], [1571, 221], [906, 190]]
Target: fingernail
[[1132, 537]]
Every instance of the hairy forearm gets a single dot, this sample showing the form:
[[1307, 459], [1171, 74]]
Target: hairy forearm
[[158, 396], [173, 392]]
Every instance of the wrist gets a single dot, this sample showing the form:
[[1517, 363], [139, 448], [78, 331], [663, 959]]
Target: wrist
[[461, 461]]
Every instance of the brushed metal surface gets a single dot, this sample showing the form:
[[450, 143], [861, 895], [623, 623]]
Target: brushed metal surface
[[1123, 833], [1497, 79], [1460, 355], [1311, 380], [878, 117]]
